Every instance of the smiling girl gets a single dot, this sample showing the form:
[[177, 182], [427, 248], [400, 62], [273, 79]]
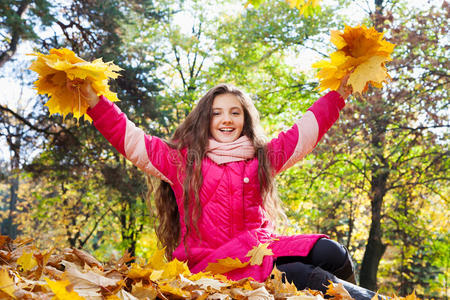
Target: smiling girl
[[217, 196]]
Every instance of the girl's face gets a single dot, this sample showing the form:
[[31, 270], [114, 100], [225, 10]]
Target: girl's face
[[227, 118]]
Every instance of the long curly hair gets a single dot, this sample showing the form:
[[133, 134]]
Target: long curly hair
[[193, 134]]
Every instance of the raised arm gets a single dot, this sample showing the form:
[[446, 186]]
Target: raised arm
[[148, 153], [294, 144]]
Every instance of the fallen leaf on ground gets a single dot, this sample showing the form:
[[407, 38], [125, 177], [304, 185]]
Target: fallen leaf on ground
[[63, 290], [225, 265], [7, 284]]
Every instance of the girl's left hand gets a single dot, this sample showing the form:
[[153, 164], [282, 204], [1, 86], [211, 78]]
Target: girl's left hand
[[344, 90], [84, 87]]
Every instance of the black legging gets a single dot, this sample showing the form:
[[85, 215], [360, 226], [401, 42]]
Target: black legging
[[327, 254]]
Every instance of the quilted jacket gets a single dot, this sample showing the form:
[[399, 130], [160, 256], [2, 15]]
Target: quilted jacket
[[232, 220]]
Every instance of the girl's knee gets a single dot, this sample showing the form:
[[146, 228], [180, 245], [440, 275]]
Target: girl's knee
[[297, 273], [329, 255]]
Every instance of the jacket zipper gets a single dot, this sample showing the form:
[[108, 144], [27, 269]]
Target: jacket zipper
[[230, 199]]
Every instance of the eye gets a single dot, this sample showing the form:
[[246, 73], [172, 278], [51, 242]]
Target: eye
[[215, 113], [236, 113]]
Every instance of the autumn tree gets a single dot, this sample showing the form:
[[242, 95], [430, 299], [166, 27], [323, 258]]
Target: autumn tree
[[20, 21], [389, 140], [71, 151]]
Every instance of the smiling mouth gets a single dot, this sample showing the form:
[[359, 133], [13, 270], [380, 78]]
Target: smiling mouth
[[226, 130]]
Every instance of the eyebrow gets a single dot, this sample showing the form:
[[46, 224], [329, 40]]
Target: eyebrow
[[230, 108]]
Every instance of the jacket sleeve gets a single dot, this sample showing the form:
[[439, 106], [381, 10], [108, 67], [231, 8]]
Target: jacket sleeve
[[148, 153], [294, 144]]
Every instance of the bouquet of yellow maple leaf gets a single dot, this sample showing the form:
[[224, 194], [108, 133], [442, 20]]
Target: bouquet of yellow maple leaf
[[361, 53], [61, 66]]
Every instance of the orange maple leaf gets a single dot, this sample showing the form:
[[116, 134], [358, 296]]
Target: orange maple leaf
[[225, 265], [361, 53], [61, 65]]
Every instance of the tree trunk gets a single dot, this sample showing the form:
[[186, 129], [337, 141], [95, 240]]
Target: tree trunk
[[7, 226], [374, 248], [380, 173]]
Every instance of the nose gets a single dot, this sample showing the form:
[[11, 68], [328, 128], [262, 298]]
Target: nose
[[226, 118]]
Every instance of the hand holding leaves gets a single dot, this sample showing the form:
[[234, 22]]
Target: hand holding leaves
[[361, 55], [70, 81], [344, 89], [84, 88]]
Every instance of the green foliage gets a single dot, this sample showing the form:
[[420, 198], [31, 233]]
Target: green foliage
[[23, 18]]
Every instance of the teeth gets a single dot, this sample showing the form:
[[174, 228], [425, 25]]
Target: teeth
[[227, 129]]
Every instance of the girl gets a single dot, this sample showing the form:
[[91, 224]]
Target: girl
[[217, 195]]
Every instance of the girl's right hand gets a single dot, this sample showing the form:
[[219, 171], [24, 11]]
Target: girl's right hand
[[344, 90], [85, 89]]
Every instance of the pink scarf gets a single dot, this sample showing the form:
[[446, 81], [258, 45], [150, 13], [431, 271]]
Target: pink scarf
[[222, 153]]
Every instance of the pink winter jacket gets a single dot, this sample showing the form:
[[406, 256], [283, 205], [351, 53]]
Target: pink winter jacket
[[232, 220]]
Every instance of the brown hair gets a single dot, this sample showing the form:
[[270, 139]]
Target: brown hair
[[193, 134]]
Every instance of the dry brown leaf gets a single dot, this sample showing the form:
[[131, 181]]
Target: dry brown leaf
[[305, 297], [172, 281], [142, 292], [87, 258], [219, 296], [338, 291], [89, 283], [258, 294], [124, 295], [5, 242], [124, 259], [210, 284]]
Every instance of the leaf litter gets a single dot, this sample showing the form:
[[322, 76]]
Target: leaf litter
[[28, 273]]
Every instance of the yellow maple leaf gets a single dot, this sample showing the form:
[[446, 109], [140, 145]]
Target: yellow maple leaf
[[158, 260], [61, 65], [137, 272], [7, 284], [173, 268], [276, 283], [361, 53], [63, 289], [27, 261], [411, 297], [168, 289], [371, 71], [225, 265], [257, 254], [156, 275]]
